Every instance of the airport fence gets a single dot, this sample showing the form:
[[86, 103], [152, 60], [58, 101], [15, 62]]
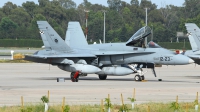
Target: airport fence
[[105, 105]]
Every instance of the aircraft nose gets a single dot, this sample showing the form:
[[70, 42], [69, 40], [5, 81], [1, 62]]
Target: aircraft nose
[[191, 61]]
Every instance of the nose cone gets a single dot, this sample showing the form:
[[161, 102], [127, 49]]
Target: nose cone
[[183, 60], [191, 61]]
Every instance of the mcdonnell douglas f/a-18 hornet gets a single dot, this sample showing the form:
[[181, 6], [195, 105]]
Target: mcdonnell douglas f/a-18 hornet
[[117, 59], [194, 38]]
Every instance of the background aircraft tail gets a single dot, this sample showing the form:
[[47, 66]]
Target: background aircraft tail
[[50, 38], [74, 36], [194, 35], [193, 44]]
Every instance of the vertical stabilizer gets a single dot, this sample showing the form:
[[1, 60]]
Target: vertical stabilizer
[[74, 36], [194, 35], [193, 43], [50, 38]]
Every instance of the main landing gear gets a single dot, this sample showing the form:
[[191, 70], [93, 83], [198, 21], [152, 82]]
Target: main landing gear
[[139, 71], [75, 76], [102, 77], [139, 78], [140, 75]]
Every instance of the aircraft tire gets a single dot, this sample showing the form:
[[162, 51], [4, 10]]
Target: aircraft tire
[[138, 78], [102, 77], [142, 77]]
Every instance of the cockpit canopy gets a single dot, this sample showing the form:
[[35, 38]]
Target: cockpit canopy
[[152, 44], [139, 36]]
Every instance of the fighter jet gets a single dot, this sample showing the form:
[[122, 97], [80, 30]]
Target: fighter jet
[[79, 58], [194, 38]]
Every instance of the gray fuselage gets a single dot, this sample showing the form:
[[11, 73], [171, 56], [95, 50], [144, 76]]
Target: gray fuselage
[[119, 53]]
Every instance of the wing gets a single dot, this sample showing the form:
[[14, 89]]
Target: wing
[[119, 52], [61, 56]]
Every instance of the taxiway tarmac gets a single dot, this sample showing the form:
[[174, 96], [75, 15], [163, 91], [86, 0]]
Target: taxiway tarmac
[[33, 80]]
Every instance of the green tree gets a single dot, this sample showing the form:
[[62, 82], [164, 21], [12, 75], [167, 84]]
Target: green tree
[[147, 4], [134, 2], [1, 14], [122, 19], [30, 6], [86, 4], [114, 4], [7, 26], [192, 8], [68, 4], [20, 16], [33, 29], [155, 16], [38, 17], [43, 3], [8, 7]]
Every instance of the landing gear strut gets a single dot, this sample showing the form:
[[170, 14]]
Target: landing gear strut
[[140, 75], [74, 76]]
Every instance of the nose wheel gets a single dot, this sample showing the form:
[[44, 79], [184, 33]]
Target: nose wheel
[[139, 78], [74, 76]]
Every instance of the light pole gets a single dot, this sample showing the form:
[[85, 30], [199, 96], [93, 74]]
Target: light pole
[[146, 15], [104, 30], [146, 25], [152, 33], [86, 20]]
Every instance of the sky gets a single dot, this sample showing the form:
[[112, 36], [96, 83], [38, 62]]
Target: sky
[[159, 3]]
